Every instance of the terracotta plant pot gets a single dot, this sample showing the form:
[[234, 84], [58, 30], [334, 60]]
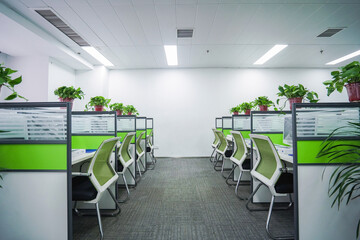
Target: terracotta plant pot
[[119, 112], [99, 108], [69, 100], [235, 113], [129, 113], [263, 107], [295, 100], [247, 111], [353, 90]]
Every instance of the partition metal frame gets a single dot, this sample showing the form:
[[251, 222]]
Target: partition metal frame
[[142, 130], [68, 150], [295, 149], [216, 123], [152, 136]]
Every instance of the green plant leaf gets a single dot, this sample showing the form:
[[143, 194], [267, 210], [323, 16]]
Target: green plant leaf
[[16, 81], [12, 96]]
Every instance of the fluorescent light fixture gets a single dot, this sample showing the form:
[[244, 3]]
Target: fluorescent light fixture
[[171, 54], [272, 52], [351, 55], [96, 54]]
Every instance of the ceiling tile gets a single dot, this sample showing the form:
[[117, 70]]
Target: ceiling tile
[[167, 23], [185, 15]]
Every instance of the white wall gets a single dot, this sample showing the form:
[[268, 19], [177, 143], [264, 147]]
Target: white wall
[[185, 102], [34, 72], [59, 75], [93, 83]]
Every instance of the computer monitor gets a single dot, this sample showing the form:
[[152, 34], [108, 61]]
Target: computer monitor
[[287, 133]]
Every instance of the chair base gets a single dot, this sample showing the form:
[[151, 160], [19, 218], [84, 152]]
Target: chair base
[[127, 190]]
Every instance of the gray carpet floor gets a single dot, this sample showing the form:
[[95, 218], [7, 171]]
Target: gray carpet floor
[[184, 198]]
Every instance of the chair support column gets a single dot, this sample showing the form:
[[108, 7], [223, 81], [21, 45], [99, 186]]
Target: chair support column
[[99, 220]]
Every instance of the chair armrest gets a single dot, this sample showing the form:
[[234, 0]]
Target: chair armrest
[[80, 174]]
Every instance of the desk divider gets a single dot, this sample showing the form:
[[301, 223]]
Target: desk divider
[[35, 150], [226, 125], [218, 123], [314, 217], [89, 130], [141, 127], [271, 124]]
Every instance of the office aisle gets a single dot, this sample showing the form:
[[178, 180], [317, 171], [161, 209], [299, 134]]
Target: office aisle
[[183, 199]]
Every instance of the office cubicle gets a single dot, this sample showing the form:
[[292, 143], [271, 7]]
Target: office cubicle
[[218, 124], [35, 163], [271, 124], [141, 127], [126, 124], [89, 130], [314, 216]]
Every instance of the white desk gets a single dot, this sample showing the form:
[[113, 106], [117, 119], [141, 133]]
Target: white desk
[[82, 157], [283, 151]]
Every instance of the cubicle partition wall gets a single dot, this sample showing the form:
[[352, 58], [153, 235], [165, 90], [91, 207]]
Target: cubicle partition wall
[[141, 127], [314, 216], [89, 130], [126, 124], [226, 125], [35, 164], [273, 125], [149, 128], [241, 123], [218, 124]]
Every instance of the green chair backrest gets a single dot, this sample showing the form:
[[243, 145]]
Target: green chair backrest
[[101, 168], [149, 137], [139, 149], [216, 139], [124, 148], [267, 166], [239, 145], [223, 142]]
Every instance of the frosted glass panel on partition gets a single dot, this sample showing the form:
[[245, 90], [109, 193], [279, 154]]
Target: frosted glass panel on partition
[[241, 122], [218, 123], [268, 122], [126, 124], [227, 122], [86, 124], [37, 123], [140, 123], [149, 123], [321, 122]]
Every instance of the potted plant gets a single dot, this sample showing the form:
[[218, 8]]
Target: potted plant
[[296, 94], [130, 109], [235, 110], [68, 94], [263, 103], [344, 182], [118, 107], [98, 103], [348, 76], [246, 107], [7, 81]]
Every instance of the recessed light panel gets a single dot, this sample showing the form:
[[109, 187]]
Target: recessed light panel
[[271, 53], [98, 56], [344, 58], [171, 54]]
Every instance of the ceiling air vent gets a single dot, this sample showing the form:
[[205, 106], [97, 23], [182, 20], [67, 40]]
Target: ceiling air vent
[[52, 18], [185, 33], [330, 32]]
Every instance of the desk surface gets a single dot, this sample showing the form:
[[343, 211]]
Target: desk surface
[[282, 150], [82, 157]]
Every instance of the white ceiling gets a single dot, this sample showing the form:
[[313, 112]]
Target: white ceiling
[[131, 33]]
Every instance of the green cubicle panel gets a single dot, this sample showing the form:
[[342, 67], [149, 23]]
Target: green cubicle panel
[[226, 125], [89, 130], [273, 125], [218, 124], [312, 124], [35, 165]]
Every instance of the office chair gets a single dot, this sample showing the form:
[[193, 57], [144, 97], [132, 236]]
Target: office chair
[[140, 152], [240, 159], [214, 145], [89, 187], [270, 171], [222, 151], [150, 149], [125, 160]]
